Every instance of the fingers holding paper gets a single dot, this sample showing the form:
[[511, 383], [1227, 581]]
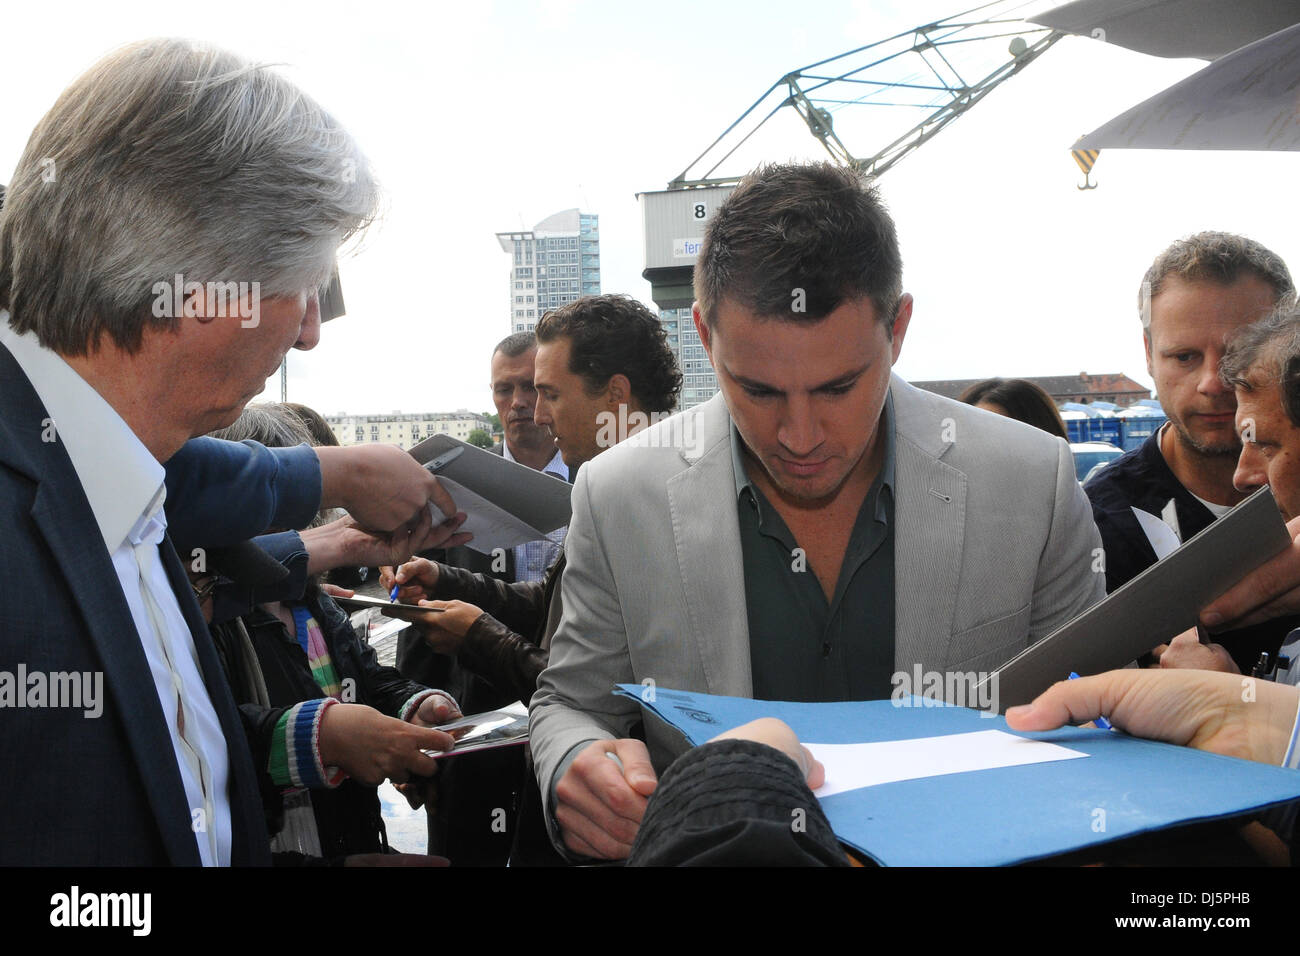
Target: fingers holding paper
[[437, 708], [372, 747], [381, 486], [443, 624]]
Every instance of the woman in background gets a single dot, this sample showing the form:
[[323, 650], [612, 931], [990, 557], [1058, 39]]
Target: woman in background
[[1019, 399]]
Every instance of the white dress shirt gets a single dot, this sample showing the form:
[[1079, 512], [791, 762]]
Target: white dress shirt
[[124, 485], [532, 558]]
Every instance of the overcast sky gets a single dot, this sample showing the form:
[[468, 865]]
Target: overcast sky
[[485, 117]]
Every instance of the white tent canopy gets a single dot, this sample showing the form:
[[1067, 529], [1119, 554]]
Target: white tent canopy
[[1202, 29], [1248, 98]]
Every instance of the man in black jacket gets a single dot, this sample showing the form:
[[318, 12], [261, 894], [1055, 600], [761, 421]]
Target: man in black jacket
[[1196, 295], [603, 371], [471, 789]]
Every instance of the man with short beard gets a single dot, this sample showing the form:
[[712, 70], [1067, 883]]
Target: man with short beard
[[1195, 296]]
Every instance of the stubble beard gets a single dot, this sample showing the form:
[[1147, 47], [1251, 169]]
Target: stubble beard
[[530, 436], [1202, 450], [806, 496]]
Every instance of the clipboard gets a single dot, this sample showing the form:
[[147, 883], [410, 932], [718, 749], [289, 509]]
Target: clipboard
[[1158, 604], [1005, 814], [508, 503]]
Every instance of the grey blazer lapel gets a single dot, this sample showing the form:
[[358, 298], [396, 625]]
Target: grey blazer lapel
[[701, 501], [930, 524]]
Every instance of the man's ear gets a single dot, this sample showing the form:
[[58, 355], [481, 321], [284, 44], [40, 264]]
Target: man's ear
[[1146, 342], [703, 330], [618, 391], [902, 319]]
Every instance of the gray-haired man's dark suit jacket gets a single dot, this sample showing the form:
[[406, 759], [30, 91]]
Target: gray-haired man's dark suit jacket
[[78, 790]]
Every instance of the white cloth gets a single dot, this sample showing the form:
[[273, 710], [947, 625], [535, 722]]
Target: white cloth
[[532, 558], [124, 485], [1217, 510]]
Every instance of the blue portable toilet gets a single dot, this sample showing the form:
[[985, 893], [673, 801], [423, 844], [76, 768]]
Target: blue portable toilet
[[1139, 422], [1076, 425]]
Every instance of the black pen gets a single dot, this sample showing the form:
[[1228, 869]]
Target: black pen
[[446, 458]]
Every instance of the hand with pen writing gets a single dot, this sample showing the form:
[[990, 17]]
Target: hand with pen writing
[[415, 580], [603, 796], [1225, 714], [447, 623]]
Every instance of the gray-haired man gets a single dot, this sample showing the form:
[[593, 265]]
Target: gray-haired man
[[161, 246]]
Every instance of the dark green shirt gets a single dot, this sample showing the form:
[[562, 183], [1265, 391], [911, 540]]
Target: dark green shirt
[[802, 647]]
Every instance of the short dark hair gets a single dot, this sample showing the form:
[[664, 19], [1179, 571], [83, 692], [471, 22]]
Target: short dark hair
[[616, 335], [1220, 257], [515, 344], [817, 229], [1023, 400], [1266, 354]]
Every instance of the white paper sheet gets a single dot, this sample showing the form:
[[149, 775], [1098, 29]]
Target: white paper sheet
[[852, 766], [492, 527], [1163, 539]]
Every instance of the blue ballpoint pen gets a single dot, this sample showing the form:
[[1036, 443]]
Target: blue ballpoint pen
[[1101, 722]]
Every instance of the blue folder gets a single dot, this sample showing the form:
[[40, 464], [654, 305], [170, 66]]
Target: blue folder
[[1004, 815]]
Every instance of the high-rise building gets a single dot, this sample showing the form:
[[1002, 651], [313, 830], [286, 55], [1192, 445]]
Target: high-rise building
[[699, 381], [552, 264]]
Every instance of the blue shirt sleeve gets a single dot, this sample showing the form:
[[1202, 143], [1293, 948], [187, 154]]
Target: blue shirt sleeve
[[220, 493], [233, 599]]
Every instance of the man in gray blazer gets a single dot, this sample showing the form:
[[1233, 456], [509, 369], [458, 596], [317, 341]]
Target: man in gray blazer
[[818, 531]]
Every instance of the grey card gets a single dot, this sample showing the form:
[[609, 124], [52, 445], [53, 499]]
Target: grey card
[[1158, 604], [534, 498]]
